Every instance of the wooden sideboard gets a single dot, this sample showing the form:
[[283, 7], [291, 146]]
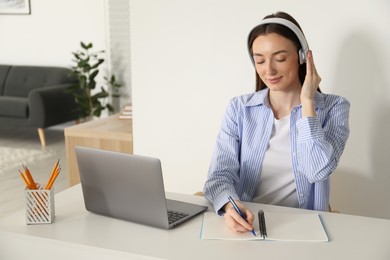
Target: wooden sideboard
[[108, 133]]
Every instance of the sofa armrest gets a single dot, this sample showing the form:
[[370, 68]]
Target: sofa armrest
[[51, 105]]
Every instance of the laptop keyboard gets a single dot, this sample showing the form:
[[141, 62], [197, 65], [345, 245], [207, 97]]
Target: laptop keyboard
[[175, 216]]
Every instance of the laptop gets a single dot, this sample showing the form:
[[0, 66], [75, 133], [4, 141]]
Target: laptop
[[129, 187]]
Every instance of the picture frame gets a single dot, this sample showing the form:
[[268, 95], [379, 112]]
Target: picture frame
[[15, 7]]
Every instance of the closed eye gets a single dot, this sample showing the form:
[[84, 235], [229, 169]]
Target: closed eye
[[280, 58]]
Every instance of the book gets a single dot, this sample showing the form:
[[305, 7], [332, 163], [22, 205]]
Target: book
[[126, 112], [302, 227], [125, 116]]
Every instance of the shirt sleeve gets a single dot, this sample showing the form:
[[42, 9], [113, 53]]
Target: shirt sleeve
[[320, 143], [224, 166]]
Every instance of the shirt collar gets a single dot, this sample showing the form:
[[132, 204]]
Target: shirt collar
[[261, 98], [258, 98]]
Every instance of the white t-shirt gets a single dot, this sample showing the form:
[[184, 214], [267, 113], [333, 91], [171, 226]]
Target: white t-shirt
[[277, 184]]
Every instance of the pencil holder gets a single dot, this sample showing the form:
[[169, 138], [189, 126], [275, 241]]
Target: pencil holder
[[39, 206]]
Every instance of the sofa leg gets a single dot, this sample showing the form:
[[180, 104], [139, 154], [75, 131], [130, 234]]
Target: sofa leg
[[41, 134]]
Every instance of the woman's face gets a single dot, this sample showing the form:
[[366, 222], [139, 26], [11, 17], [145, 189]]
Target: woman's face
[[276, 59]]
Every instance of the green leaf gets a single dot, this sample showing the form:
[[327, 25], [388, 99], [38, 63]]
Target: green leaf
[[82, 63], [110, 108], [86, 46], [93, 75], [100, 95], [97, 64], [86, 68], [97, 112], [76, 55], [92, 84]]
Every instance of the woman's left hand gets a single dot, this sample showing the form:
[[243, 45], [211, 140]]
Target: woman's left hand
[[312, 80]]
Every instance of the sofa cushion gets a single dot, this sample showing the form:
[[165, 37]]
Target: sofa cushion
[[22, 79], [13, 107], [3, 74]]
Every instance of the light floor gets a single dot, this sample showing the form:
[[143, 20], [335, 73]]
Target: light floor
[[11, 184]]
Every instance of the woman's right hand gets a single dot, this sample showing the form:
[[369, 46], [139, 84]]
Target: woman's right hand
[[234, 221]]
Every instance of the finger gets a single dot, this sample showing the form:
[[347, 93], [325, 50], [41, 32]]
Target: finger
[[313, 66], [309, 63], [234, 225], [240, 220], [249, 217], [315, 74], [311, 70]]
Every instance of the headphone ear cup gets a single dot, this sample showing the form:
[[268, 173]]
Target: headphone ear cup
[[302, 56]]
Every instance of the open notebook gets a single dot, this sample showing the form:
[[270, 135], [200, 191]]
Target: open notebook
[[280, 227]]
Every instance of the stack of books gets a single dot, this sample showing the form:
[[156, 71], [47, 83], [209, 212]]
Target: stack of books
[[126, 112]]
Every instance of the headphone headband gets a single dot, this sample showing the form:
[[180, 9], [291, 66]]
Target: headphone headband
[[295, 29]]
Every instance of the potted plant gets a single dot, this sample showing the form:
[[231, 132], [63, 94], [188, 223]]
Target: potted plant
[[92, 101]]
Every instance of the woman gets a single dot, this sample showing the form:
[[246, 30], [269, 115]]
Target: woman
[[280, 144]]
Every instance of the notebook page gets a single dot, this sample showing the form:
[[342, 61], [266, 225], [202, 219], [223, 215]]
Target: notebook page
[[280, 227], [295, 227]]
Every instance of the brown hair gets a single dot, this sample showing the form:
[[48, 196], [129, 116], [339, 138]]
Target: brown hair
[[282, 30]]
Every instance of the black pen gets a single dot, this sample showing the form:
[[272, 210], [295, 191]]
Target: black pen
[[262, 226], [239, 212]]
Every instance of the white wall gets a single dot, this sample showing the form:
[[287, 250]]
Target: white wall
[[189, 58], [52, 31]]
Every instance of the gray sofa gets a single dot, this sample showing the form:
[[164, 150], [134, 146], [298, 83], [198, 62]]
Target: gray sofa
[[33, 96]]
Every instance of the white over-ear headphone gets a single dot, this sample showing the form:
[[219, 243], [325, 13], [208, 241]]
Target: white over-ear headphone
[[305, 47]]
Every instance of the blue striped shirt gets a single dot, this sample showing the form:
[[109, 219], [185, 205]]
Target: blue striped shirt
[[316, 146]]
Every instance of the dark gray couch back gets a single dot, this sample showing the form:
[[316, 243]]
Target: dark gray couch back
[[20, 80], [3, 75]]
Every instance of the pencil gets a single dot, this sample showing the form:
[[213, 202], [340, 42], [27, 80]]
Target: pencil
[[52, 173], [50, 184], [29, 177], [25, 180]]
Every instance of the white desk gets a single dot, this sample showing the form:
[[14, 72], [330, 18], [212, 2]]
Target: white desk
[[79, 234]]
